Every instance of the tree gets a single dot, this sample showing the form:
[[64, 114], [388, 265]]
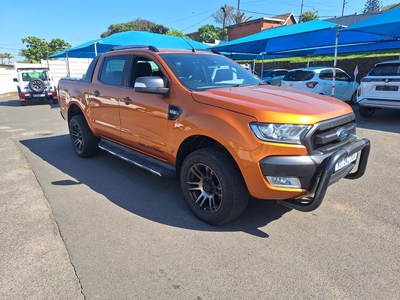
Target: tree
[[372, 5], [209, 33], [240, 17], [37, 49], [9, 58], [230, 15], [309, 16], [137, 25], [3, 56], [176, 32]]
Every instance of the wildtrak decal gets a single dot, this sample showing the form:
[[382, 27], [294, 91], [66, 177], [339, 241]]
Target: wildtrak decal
[[151, 148]]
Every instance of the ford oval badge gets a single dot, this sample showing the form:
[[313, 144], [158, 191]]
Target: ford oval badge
[[342, 133]]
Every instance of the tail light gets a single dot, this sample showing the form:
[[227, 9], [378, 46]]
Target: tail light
[[311, 84], [24, 95]]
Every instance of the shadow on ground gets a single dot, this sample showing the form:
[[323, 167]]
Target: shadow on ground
[[140, 192]]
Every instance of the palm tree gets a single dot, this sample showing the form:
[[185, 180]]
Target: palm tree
[[239, 17], [9, 58], [3, 57]]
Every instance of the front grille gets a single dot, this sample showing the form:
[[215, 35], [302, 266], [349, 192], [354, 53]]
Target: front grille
[[325, 137]]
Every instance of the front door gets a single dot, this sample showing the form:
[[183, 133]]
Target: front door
[[144, 117]]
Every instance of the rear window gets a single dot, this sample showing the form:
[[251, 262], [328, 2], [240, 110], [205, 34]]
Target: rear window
[[392, 69], [298, 75]]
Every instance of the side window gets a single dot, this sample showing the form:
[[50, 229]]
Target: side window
[[143, 66], [326, 75], [112, 69], [341, 76]]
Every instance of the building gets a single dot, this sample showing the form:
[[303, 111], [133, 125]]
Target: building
[[254, 26]]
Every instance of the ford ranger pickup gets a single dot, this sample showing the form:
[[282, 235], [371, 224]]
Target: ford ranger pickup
[[218, 129]]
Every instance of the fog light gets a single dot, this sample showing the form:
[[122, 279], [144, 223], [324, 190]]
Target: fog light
[[292, 182]]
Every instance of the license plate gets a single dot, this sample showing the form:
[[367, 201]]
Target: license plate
[[38, 95], [390, 88], [345, 161]]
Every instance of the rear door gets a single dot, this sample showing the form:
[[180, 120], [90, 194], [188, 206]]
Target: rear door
[[105, 93]]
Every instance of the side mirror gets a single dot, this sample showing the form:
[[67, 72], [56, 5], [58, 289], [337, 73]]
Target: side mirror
[[151, 85], [15, 79]]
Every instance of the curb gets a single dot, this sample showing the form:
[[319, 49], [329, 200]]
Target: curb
[[8, 94]]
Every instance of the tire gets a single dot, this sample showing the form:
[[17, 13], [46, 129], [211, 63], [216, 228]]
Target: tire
[[213, 186], [36, 85], [83, 140], [55, 101], [23, 103], [366, 112], [353, 98]]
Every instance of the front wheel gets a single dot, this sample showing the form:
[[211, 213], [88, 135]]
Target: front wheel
[[82, 138], [213, 186], [366, 112]]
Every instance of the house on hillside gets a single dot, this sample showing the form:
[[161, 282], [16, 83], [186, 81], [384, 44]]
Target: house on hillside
[[254, 26]]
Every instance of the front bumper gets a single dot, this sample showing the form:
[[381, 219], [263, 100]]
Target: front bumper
[[316, 173]]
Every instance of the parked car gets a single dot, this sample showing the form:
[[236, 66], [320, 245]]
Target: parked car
[[380, 88], [318, 80], [273, 76], [35, 83]]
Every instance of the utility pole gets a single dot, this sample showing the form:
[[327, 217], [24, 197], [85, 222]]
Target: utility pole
[[301, 10], [238, 5], [223, 8], [344, 4]]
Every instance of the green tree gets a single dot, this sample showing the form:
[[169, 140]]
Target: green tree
[[137, 25], [209, 33], [37, 49], [3, 56], [309, 16], [176, 32], [372, 5]]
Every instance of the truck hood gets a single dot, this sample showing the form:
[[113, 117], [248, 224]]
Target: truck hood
[[274, 104]]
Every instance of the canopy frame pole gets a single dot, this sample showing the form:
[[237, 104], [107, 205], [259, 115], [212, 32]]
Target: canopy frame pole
[[335, 60], [262, 65], [68, 70], [95, 48]]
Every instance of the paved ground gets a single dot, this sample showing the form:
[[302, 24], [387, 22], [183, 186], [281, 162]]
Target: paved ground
[[34, 262], [127, 234]]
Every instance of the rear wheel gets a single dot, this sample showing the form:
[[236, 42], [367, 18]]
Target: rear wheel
[[55, 101], [82, 138], [366, 112], [213, 186]]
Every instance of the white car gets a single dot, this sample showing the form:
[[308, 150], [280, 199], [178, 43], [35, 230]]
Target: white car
[[380, 88], [318, 80]]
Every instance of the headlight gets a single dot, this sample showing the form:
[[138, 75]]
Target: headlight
[[282, 133]]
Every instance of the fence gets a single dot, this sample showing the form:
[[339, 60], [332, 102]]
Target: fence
[[58, 69]]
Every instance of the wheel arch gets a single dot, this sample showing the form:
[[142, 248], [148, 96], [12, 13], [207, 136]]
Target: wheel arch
[[196, 142]]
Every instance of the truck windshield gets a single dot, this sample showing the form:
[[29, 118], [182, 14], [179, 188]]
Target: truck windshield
[[202, 71]]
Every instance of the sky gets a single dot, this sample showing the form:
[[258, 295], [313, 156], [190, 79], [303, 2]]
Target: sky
[[79, 21]]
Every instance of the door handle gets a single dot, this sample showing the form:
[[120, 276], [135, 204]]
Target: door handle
[[126, 101], [96, 93]]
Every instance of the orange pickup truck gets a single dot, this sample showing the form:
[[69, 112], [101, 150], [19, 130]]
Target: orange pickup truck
[[224, 135]]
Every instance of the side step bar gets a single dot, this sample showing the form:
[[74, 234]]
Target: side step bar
[[152, 165]]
